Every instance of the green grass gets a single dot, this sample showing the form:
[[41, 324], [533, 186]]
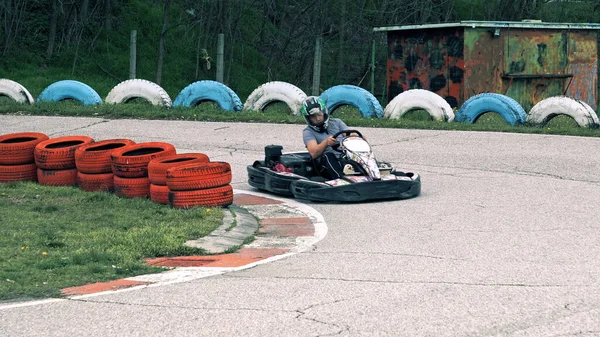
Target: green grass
[[58, 237], [281, 113]]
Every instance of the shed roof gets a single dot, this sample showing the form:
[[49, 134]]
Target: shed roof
[[494, 24]]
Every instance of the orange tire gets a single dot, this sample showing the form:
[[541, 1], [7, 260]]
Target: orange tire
[[95, 182], [95, 157], [24, 172], [67, 177], [212, 197], [132, 187], [17, 148], [198, 176], [159, 194], [157, 167], [132, 161], [59, 153]]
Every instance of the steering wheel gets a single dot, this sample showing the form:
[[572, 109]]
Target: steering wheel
[[336, 146]]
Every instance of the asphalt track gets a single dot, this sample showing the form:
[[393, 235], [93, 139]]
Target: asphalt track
[[503, 241]]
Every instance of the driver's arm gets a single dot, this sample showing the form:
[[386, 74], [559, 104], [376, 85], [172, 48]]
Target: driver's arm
[[316, 150]]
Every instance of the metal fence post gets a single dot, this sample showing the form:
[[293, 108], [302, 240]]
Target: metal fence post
[[132, 54], [373, 66], [220, 49], [317, 67]]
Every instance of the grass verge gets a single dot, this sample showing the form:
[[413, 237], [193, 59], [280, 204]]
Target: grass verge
[[58, 237], [279, 113]]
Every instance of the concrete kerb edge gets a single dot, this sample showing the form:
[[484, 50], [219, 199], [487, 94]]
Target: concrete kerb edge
[[304, 244]]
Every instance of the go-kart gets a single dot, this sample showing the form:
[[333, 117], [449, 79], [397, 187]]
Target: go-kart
[[296, 174]]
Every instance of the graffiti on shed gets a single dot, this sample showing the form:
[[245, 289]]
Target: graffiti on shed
[[525, 61], [426, 60]]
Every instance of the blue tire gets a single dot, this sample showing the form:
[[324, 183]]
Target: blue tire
[[358, 97], [203, 91], [69, 89], [508, 108]]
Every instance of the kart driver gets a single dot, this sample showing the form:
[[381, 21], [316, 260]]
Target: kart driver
[[317, 135]]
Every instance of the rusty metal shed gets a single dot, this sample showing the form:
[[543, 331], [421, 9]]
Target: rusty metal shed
[[528, 61]]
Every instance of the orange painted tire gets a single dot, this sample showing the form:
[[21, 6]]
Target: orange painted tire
[[157, 167], [95, 157], [132, 161], [132, 187], [17, 148], [95, 182], [59, 153], [159, 194], [24, 172], [198, 176], [67, 177], [212, 197]]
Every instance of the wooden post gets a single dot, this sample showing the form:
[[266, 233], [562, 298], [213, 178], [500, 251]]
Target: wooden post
[[317, 67], [220, 48], [132, 54]]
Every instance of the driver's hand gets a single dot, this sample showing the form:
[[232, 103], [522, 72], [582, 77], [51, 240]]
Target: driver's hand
[[330, 141]]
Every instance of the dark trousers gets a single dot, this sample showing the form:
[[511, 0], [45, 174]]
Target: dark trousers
[[331, 165]]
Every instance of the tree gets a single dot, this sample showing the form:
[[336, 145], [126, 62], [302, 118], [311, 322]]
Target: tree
[[11, 22], [161, 43], [108, 15], [52, 28]]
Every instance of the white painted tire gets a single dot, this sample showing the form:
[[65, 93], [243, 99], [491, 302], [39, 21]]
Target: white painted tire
[[434, 104], [276, 92], [550, 107], [138, 88], [15, 91]]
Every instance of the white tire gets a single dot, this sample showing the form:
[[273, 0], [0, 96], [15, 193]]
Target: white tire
[[15, 91], [550, 107], [138, 88], [434, 104], [276, 92]]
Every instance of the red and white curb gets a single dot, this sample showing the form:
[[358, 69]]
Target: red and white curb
[[287, 227]]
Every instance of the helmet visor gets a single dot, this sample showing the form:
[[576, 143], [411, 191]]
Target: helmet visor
[[315, 111], [316, 116]]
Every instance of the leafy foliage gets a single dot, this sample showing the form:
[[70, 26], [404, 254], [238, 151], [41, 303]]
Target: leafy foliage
[[45, 41]]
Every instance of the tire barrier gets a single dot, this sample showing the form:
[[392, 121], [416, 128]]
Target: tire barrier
[[95, 157], [95, 182], [548, 108], [132, 161], [159, 194], [15, 91], [275, 92], [204, 184], [18, 148], [211, 197], [508, 108], [69, 89], [157, 167], [19, 172], [198, 176], [132, 187], [358, 97], [59, 153], [64, 177], [202, 91], [138, 88], [66, 161], [435, 105]]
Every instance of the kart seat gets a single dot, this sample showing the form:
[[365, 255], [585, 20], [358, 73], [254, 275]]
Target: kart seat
[[358, 170]]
